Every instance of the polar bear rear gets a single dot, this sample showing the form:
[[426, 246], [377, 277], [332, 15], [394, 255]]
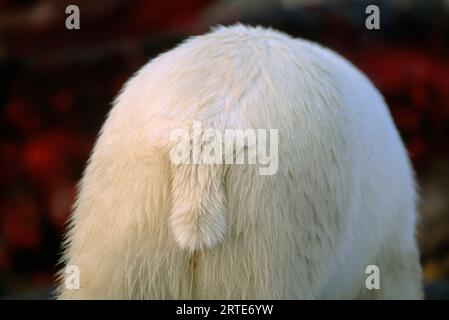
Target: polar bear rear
[[343, 197]]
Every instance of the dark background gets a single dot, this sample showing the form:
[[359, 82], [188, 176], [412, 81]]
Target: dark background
[[56, 86]]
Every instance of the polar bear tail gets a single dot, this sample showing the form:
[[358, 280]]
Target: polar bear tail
[[198, 216]]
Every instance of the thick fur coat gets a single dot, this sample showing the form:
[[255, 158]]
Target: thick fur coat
[[343, 196]]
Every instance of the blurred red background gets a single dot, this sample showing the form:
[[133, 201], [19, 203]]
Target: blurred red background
[[56, 86]]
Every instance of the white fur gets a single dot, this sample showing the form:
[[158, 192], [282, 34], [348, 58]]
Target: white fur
[[343, 197]]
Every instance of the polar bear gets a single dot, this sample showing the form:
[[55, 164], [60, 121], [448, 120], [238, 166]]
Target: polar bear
[[343, 197]]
